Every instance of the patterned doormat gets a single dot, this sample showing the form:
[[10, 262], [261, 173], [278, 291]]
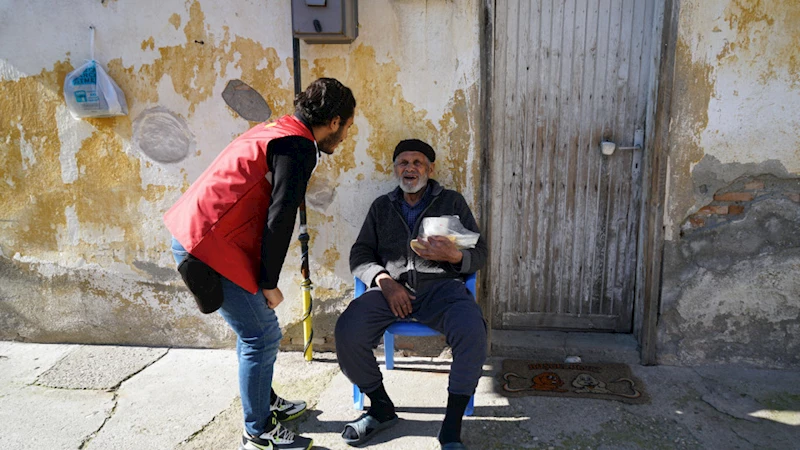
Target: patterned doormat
[[583, 380]]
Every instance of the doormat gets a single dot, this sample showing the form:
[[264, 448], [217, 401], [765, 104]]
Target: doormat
[[582, 380]]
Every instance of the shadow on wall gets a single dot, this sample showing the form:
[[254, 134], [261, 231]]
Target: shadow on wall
[[84, 307]]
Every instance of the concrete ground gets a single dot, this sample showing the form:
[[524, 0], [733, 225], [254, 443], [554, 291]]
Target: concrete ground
[[104, 397]]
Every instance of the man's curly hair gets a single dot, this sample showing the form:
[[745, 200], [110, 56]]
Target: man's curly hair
[[323, 101]]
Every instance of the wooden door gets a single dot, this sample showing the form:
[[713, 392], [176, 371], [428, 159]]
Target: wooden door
[[563, 217]]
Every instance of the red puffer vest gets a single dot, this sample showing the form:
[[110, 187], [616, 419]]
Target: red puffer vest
[[220, 219]]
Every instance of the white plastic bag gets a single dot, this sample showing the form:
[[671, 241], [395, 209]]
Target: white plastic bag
[[90, 92], [449, 226]]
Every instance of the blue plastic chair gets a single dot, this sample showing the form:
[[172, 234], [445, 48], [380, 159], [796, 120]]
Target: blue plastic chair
[[404, 327]]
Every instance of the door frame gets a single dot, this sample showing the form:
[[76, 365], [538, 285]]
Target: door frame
[[650, 247]]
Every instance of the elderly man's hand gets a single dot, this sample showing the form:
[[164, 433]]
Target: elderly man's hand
[[398, 298], [438, 248]]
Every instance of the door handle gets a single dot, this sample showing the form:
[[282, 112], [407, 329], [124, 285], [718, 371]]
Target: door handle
[[608, 147]]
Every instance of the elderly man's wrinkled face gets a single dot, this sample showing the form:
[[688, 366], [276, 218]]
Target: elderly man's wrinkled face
[[412, 170]]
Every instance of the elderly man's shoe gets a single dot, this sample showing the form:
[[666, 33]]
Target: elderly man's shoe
[[365, 428]]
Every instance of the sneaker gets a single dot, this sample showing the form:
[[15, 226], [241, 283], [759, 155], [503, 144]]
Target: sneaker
[[279, 438], [287, 410]]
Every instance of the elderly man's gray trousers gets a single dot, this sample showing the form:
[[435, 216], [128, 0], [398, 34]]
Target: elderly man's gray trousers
[[447, 307]]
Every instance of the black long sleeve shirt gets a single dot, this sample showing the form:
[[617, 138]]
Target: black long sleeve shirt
[[291, 160]]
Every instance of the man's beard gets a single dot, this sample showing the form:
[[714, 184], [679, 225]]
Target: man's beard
[[422, 181], [329, 143]]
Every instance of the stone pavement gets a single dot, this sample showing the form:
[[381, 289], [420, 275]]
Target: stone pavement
[[106, 397]]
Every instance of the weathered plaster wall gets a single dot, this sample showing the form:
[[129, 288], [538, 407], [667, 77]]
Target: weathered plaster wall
[[731, 290], [83, 252]]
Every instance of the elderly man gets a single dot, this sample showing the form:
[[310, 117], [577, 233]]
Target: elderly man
[[424, 283]]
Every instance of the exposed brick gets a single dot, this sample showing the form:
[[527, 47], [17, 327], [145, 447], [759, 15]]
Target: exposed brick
[[735, 209], [713, 209], [734, 197], [793, 196], [697, 222], [754, 185]]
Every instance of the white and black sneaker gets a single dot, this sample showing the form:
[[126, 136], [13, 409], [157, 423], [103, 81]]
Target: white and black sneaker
[[279, 438], [287, 410]]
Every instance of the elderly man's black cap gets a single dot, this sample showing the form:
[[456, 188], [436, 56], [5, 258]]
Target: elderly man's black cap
[[414, 145]]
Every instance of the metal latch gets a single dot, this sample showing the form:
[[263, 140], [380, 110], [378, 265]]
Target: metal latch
[[608, 147]]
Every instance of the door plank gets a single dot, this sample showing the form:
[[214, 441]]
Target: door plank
[[564, 126], [518, 147], [537, 207], [625, 316], [654, 17], [587, 146], [544, 107], [623, 277], [554, 58], [571, 269], [528, 258], [618, 179], [597, 207], [500, 124], [512, 173]]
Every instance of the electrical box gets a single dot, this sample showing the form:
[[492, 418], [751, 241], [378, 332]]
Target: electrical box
[[325, 21]]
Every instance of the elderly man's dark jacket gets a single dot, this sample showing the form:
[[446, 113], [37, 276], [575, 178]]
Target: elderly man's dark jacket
[[383, 245]]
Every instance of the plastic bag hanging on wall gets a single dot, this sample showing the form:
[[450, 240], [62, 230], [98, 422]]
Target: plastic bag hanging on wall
[[90, 92]]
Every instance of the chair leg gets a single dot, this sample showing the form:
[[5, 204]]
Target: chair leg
[[388, 347], [358, 399], [470, 406]]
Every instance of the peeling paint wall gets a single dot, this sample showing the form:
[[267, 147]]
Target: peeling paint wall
[[83, 253], [731, 291]]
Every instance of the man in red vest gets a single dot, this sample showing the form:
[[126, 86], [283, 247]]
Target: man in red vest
[[231, 230]]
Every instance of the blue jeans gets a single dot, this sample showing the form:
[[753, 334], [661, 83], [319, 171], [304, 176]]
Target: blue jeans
[[258, 337]]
